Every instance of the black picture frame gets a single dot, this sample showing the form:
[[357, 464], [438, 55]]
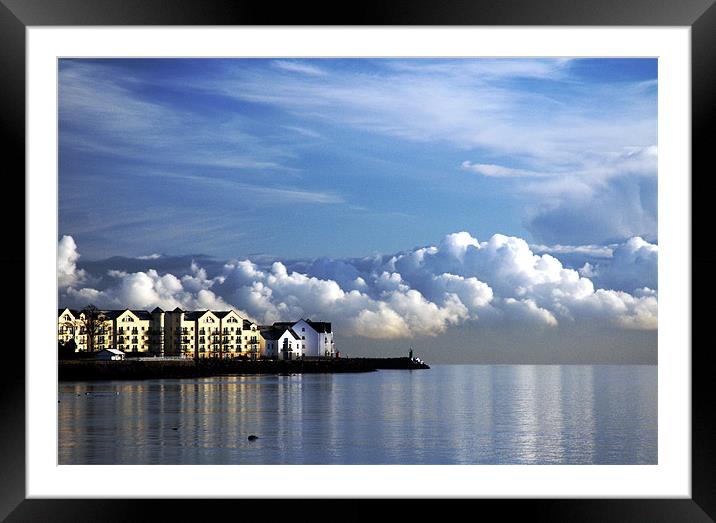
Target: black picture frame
[[16, 15]]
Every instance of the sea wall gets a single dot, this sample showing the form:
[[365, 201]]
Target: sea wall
[[80, 370]]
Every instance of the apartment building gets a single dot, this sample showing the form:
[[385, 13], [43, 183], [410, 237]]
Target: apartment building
[[72, 326], [131, 330], [190, 334]]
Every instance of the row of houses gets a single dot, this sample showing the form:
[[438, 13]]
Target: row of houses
[[193, 334]]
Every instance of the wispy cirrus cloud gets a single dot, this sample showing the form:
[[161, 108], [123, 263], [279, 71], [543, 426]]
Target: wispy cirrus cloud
[[497, 171], [296, 66], [574, 153], [101, 110]]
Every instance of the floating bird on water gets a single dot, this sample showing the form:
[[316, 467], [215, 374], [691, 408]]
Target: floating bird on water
[[253, 438]]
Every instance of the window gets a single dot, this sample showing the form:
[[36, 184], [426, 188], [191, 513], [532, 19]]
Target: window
[[303, 329]]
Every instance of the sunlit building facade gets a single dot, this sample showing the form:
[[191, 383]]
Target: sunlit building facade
[[178, 333]]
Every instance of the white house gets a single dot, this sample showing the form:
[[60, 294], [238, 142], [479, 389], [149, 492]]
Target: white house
[[281, 342], [289, 340], [109, 355], [318, 337]]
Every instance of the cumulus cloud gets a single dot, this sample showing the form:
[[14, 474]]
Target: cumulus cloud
[[148, 289], [67, 272], [421, 292], [633, 265]]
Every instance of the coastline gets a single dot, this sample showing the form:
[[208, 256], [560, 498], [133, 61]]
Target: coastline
[[83, 370]]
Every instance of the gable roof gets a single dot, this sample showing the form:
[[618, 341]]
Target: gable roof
[[157, 309], [142, 315], [271, 332], [195, 315], [268, 332], [114, 314], [320, 326]]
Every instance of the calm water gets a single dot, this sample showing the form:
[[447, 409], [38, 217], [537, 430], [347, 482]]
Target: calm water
[[450, 414]]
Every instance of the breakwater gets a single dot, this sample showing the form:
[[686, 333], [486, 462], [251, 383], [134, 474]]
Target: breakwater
[[80, 370]]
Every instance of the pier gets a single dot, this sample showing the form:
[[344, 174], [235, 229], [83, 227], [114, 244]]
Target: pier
[[129, 369]]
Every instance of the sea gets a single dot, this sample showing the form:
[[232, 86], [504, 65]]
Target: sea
[[449, 414]]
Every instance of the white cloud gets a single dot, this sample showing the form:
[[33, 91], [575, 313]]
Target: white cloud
[[67, 272], [633, 265], [421, 292], [595, 251], [497, 171], [298, 67]]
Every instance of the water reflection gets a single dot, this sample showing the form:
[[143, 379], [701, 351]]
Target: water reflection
[[450, 414]]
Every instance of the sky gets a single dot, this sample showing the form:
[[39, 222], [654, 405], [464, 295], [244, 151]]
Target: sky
[[479, 210]]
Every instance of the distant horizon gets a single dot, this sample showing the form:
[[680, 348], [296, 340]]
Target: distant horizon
[[482, 210]]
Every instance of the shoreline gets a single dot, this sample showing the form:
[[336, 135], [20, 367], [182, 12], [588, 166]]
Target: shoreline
[[85, 370]]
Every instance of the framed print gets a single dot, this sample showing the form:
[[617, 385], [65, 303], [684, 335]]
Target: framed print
[[414, 254]]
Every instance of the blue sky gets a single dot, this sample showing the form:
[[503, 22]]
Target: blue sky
[[481, 210], [323, 157]]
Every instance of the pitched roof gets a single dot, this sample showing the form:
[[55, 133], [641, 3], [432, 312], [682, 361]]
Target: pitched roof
[[157, 309], [193, 315], [320, 326], [142, 315], [247, 324], [271, 332]]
